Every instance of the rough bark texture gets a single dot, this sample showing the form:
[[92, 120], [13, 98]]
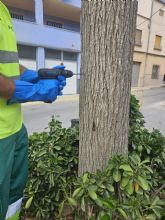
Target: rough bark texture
[[107, 31]]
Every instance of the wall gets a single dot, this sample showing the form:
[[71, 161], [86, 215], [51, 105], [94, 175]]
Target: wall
[[146, 73], [155, 57], [45, 36], [157, 28], [143, 24], [144, 8], [154, 60], [30, 16]]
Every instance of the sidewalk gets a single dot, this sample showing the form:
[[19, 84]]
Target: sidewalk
[[75, 97], [140, 92], [146, 88], [64, 98]]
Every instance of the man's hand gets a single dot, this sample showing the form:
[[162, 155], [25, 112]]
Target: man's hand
[[22, 69], [61, 79], [7, 87], [43, 90], [32, 76]]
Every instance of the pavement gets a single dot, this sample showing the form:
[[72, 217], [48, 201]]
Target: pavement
[[153, 108], [38, 115], [63, 98]]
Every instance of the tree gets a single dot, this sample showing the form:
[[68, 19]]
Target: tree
[[107, 31]]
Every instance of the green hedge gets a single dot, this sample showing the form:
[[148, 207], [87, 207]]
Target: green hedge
[[128, 188]]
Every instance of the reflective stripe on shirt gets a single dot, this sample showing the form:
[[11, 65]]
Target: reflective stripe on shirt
[[8, 57]]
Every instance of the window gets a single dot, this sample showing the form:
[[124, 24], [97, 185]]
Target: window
[[17, 16], [53, 54], [27, 52], [54, 24], [138, 38], [158, 40], [70, 56], [161, 12], [155, 72]]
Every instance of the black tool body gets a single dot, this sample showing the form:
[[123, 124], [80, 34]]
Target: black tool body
[[54, 73], [46, 74]]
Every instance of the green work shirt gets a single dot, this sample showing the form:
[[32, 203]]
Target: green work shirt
[[10, 116]]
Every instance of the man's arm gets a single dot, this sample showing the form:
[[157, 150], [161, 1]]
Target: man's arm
[[7, 87], [22, 68]]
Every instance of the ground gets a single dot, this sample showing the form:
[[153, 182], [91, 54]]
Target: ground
[[66, 108], [37, 116], [153, 108]]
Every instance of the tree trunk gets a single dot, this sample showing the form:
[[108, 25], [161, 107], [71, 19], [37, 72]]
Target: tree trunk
[[107, 31]]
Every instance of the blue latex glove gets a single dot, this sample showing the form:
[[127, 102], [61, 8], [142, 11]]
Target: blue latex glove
[[61, 79], [32, 75], [29, 76], [43, 90], [61, 67]]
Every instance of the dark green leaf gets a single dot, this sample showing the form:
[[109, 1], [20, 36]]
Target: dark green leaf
[[126, 167], [143, 183], [92, 194], [116, 175], [124, 182], [83, 204], [28, 203], [130, 188], [85, 177], [123, 213], [72, 201], [77, 192], [151, 217]]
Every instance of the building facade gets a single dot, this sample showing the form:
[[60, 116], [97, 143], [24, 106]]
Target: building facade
[[48, 33], [149, 52]]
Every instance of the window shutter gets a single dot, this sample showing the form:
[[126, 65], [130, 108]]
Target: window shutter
[[138, 37], [155, 72], [158, 42]]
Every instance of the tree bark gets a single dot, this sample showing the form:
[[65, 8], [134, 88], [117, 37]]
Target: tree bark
[[107, 31]]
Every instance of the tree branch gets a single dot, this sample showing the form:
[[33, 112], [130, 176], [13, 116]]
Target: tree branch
[[158, 191]]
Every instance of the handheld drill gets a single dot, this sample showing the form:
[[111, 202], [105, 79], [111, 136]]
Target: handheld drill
[[45, 74], [54, 73]]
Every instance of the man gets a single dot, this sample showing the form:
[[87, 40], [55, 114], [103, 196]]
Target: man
[[13, 135]]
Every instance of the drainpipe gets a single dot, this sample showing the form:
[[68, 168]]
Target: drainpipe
[[148, 42], [78, 72]]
